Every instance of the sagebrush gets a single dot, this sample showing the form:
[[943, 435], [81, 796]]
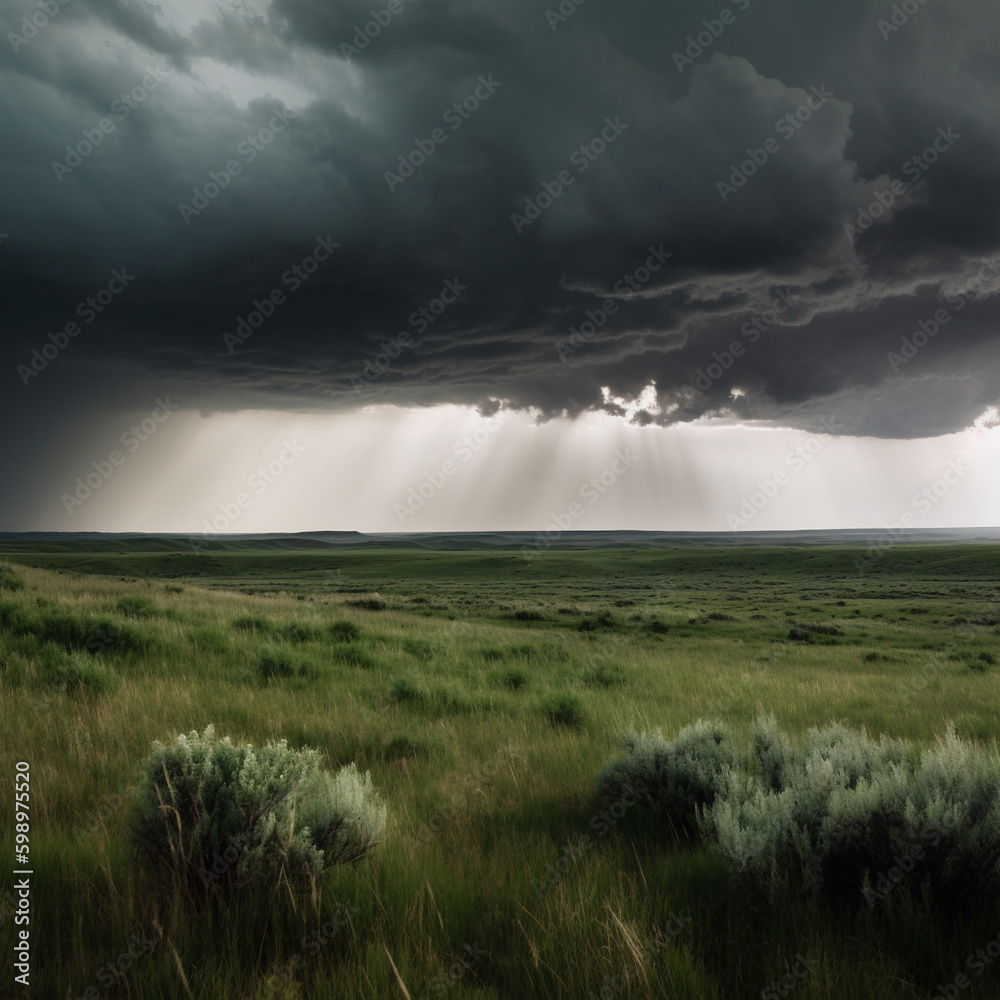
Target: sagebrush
[[213, 813]]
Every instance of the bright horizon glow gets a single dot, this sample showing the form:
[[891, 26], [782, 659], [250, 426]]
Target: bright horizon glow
[[448, 468]]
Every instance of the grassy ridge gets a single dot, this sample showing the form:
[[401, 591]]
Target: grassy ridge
[[443, 690]]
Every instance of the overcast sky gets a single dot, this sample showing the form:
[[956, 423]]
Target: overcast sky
[[710, 234]]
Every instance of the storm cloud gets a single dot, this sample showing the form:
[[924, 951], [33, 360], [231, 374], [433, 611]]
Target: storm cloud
[[771, 211]]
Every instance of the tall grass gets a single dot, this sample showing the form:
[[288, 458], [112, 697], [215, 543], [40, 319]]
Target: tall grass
[[498, 846]]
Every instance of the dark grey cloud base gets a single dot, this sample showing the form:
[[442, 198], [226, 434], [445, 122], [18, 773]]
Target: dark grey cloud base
[[610, 129]]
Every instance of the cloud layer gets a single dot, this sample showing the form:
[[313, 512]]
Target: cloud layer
[[775, 213]]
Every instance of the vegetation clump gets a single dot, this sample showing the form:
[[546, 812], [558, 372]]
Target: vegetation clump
[[603, 675], [10, 581], [369, 603], [563, 710], [77, 673], [344, 631], [274, 663], [214, 814], [513, 679], [253, 623], [135, 607], [679, 777], [839, 815], [73, 630]]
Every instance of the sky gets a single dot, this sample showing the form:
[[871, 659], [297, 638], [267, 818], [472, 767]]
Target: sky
[[406, 265]]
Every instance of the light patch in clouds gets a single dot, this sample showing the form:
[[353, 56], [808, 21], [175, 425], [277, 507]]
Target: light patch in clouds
[[452, 468], [243, 87], [989, 419]]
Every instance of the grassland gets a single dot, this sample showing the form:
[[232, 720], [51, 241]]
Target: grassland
[[484, 691]]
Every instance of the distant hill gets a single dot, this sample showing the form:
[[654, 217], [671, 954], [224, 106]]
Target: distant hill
[[93, 541]]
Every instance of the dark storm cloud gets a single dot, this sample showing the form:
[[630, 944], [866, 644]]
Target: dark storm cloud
[[640, 152]]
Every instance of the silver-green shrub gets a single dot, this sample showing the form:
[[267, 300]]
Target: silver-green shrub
[[846, 816], [674, 779], [211, 813]]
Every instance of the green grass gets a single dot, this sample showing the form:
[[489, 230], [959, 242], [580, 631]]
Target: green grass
[[464, 682]]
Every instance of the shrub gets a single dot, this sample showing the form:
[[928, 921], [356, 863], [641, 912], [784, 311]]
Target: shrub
[[513, 679], [135, 607], [603, 675], [419, 648], [678, 778], [273, 663], [603, 619], [344, 631], [563, 710], [71, 630], [450, 698], [355, 657], [369, 603], [213, 814], [844, 815], [77, 673], [210, 639], [805, 633], [774, 753], [253, 623], [527, 616], [874, 657], [403, 689], [9, 581], [296, 632]]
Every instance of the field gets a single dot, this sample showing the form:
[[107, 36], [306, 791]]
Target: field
[[484, 691]]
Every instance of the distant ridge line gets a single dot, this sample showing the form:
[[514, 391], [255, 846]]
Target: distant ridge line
[[499, 540]]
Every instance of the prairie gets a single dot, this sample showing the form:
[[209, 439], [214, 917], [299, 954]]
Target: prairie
[[484, 691]]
